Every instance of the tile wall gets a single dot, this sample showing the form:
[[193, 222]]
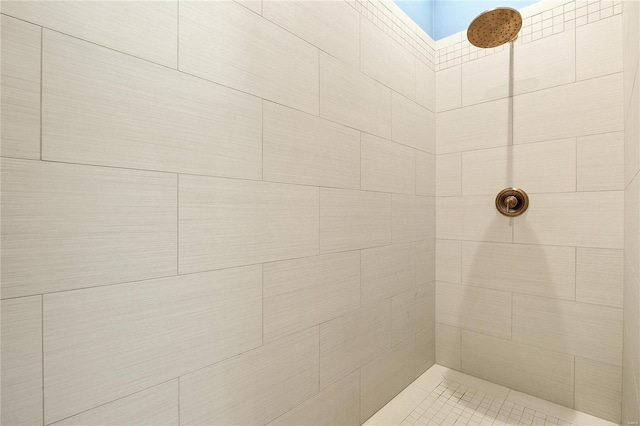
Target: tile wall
[[631, 84], [214, 212], [535, 303], [261, 212]]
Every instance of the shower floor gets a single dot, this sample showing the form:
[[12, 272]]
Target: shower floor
[[442, 396]]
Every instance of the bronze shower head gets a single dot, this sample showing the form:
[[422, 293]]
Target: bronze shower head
[[495, 27]]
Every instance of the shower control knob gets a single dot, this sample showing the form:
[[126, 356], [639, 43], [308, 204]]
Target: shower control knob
[[512, 202]]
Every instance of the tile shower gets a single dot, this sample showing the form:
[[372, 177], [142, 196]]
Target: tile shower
[[282, 212]]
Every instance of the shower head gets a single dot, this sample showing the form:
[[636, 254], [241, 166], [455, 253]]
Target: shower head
[[495, 27]]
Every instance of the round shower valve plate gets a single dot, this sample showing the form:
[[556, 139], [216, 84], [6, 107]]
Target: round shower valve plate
[[512, 202]]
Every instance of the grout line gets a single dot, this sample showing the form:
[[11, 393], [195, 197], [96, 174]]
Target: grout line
[[42, 349], [512, 223], [360, 161], [460, 351], [461, 262], [360, 276], [575, 274], [319, 83], [635, 175], [179, 419], [262, 302], [575, 141], [319, 360], [461, 86], [262, 139], [415, 172], [360, 395], [461, 175], [391, 115], [41, 83], [319, 223], [511, 325], [574, 382], [178, 223], [575, 54], [177, 34]]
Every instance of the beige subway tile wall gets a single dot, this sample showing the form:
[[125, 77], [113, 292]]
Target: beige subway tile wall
[[301, 293], [485, 79], [485, 170], [631, 264], [539, 372], [304, 149], [386, 376], [473, 127], [526, 301], [146, 30], [449, 174], [424, 354], [388, 166], [387, 271], [354, 219], [412, 124], [255, 387], [21, 366], [146, 333], [408, 313], [448, 341], [21, 72], [353, 340], [155, 406], [338, 404], [268, 61], [174, 122], [598, 387], [381, 59], [532, 72], [485, 311], [331, 26], [449, 89], [352, 98], [68, 226], [425, 86], [600, 162], [215, 212], [425, 174]]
